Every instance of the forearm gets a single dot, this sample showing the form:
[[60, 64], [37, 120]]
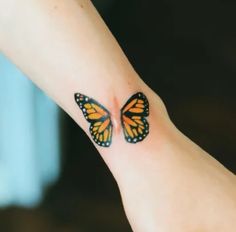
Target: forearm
[[65, 48]]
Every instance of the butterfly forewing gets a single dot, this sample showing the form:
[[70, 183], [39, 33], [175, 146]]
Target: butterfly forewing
[[133, 118], [98, 117]]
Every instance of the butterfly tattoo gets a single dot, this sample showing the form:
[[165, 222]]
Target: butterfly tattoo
[[133, 119]]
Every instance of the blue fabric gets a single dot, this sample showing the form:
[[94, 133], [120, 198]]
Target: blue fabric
[[29, 139]]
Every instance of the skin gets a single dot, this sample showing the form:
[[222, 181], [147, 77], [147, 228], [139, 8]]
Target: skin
[[167, 182]]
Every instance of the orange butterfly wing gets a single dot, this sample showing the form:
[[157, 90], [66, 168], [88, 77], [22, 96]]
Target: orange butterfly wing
[[133, 118], [99, 119]]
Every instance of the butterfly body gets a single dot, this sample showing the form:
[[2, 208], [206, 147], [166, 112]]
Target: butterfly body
[[133, 119]]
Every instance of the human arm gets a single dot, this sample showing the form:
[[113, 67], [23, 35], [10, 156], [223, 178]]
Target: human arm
[[65, 47]]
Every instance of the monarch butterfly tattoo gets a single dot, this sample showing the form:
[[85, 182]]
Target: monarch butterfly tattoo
[[133, 119]]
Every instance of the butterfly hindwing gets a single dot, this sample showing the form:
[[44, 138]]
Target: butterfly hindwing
[[99, 119], [133, 118]]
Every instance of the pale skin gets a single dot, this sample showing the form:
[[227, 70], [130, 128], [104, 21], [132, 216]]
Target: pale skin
[[167, 182]]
